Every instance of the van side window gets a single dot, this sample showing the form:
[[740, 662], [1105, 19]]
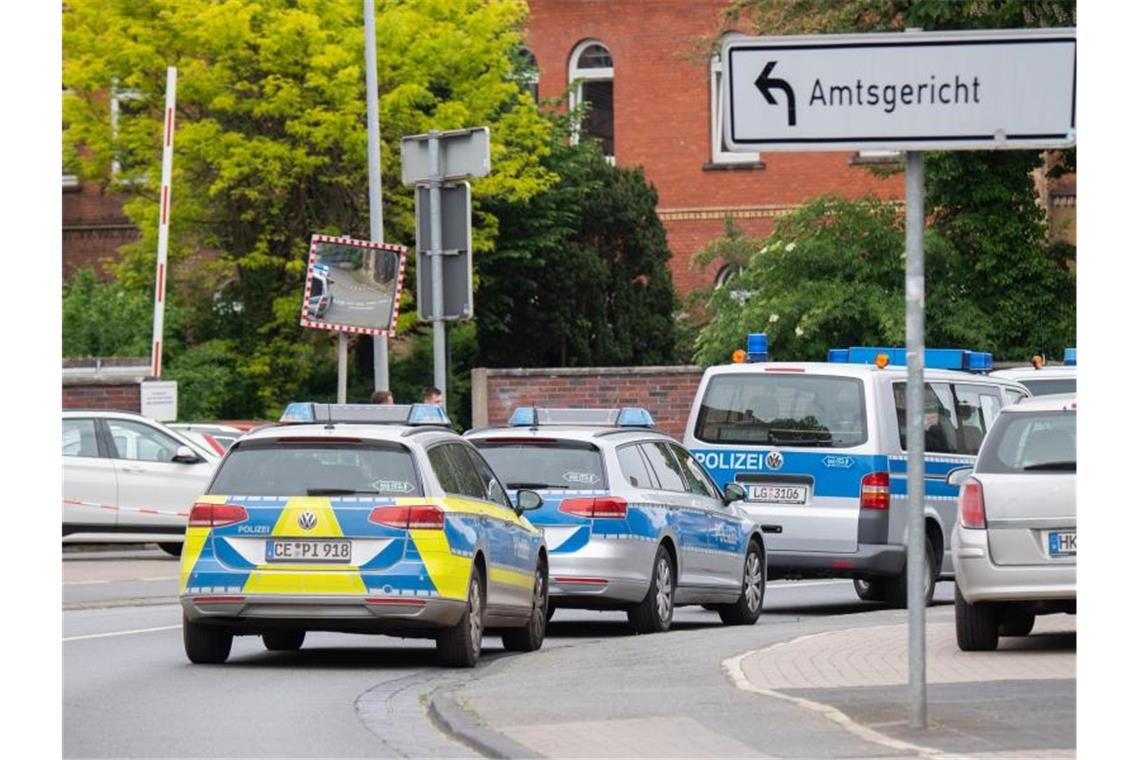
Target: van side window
[[1014, 397], [939, 420], [977, 406]]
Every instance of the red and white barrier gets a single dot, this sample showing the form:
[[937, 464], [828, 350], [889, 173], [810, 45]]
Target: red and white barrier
[[113, 508]]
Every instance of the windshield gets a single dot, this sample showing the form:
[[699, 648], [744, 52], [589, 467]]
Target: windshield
[[1037, 442], [271, 468], [1054, 385], [557, 464], [783, 409]]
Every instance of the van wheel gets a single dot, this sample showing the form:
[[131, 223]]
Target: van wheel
[[654, 613], [283, 641], [528, 638], [460, 645], [206, 644], [746, 609], [895, 588], [870, 591], [1016, 622], [975, 624]]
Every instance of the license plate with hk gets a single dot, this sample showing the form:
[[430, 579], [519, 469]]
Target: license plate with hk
[[777, 494], [1062, 543], [330, 550]]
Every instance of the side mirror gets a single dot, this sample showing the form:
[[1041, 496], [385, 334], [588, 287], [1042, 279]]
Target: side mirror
[[526, 500], [186, 455], [958, 475], [733, 492]]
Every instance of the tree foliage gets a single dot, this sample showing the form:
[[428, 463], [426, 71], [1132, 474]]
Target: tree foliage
[[271, 144]]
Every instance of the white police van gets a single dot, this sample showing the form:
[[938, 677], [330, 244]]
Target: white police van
[[820, 449], [1044, 380]]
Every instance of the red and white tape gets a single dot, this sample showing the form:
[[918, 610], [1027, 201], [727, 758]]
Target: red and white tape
[[113, 508]]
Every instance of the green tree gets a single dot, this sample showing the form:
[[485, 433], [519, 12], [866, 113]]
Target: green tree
[[105, 319], [271, 144], [580, 274]]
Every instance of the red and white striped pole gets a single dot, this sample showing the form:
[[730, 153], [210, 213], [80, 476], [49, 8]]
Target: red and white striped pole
[[163, 223]]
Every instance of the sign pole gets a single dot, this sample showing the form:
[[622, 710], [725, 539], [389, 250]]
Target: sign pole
[[375, 209], [163, 223], [915, 438], [341, 367], [435, 181]]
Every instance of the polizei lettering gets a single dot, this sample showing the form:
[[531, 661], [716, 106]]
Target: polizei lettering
[[731, 460], [891, 96]]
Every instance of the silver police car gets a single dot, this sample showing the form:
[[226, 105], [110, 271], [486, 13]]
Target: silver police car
[[632, 521]]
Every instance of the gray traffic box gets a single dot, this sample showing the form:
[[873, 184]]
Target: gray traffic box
[[455, 212]]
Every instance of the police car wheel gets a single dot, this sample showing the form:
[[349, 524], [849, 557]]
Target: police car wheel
[[283, 641], [1016, 622], [654, 613], [896, 587], [206, 644], [174, 549], [551, 608], [870, 591], [459, 646], [976, 625], [528, 638], [746, 609]]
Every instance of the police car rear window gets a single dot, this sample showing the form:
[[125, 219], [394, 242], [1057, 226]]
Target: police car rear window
[[270, 468], [1053, 385], [570, 465], [1031, 442], [783, 410]]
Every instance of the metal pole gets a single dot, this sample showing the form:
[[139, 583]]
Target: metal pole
[[435, 181], [915, 438], [375, 209], [163, 224], [341, 367]]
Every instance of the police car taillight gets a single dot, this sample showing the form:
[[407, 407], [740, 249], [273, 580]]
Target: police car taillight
[[972, 505], [419, 517], [875, 491], [605, 508], [216, 515]]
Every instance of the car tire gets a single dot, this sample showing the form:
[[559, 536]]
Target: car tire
[[171, 548], [895, 588], [283, 641], [528, 638], [1016, 622], [654, 613], [551, 608], [746, 609], [460, 645], [206, 644], [975, 624], [870, 591]]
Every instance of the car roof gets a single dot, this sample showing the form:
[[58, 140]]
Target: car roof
[[595, 434], [1052, 403], [839, 369], [421, 434], [1029, 373]]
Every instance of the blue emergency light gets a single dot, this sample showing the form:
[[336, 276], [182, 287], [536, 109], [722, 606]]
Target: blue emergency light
[[1071, 357], [629, 416], [757, 347], [367, 414], [934, 358]]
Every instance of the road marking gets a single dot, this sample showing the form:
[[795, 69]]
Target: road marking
[[122, 633], [123, 580], [794, 584], [733, 668]]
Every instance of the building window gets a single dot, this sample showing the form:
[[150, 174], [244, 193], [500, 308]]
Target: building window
[[592, 75], [70, 159], [126, 105], [727, 272], [525, 71], [719, 152]]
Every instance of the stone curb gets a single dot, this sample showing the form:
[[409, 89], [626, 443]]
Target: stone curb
[[456, 721]]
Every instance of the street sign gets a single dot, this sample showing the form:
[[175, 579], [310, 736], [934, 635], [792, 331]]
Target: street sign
[[158, 399], [463, 154], [455, 210], [982, 90], [353, 286]]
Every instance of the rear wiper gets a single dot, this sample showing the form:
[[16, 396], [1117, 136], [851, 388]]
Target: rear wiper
[[534, 485], [1059, 466], [336, 492]]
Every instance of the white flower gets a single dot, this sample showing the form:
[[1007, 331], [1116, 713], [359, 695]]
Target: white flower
[[799, 331], [773, 318], [764, 249], [790, 247]]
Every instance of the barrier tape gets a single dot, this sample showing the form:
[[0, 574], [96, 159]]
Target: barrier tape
[[113, 508]]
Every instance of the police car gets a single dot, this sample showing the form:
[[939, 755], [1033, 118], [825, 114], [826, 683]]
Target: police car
[[368, 519], [632, 520], [1042, 379], [820, 451]]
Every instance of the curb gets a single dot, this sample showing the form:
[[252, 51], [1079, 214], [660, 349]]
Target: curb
[[458, 722]]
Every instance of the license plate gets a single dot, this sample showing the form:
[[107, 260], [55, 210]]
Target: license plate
[[308, 551], [778, 494], [1062, 543]]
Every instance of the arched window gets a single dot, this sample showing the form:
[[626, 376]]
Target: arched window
[[719, 153], [525, 71], [727, 272], [592, 73]]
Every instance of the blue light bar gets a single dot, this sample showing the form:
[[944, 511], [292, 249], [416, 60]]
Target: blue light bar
[[524, 416], [367, 414], [298, 411], [1071, 357], [630, 416], [635, 416], [757, 347], [934, 358]]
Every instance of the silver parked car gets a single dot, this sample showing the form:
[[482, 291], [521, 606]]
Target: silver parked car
[[1015, 541], [632, 520]]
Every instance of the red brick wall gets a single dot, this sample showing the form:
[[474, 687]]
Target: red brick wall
[[94, 228], [666, 391], [102, 396]]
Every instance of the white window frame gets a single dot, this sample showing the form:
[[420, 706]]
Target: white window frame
[[577, 76], [718, 153]]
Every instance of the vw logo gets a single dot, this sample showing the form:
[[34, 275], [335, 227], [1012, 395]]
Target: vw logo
[[774, 460], [307, 520]]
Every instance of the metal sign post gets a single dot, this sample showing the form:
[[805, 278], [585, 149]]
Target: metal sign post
[[435, 181], [163, 223], [375, 207]]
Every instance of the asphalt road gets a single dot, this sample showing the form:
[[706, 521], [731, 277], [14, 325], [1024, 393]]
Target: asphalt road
[[128, 690]]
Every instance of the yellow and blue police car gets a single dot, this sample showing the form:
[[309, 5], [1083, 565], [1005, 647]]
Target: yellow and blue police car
[[358, 518]]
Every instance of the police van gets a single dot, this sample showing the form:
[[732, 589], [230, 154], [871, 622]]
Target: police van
[[1044, 380], [820, 450]]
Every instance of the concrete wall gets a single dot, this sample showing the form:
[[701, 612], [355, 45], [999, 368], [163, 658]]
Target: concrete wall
[[104, 383], [666, 391]]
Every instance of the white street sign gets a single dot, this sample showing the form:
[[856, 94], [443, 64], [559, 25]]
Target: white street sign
[[158, 399], [980, 90]]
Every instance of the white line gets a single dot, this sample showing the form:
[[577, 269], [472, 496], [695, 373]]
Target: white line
[[733, 669], [794, 584], [122, 633], [123, 580]]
